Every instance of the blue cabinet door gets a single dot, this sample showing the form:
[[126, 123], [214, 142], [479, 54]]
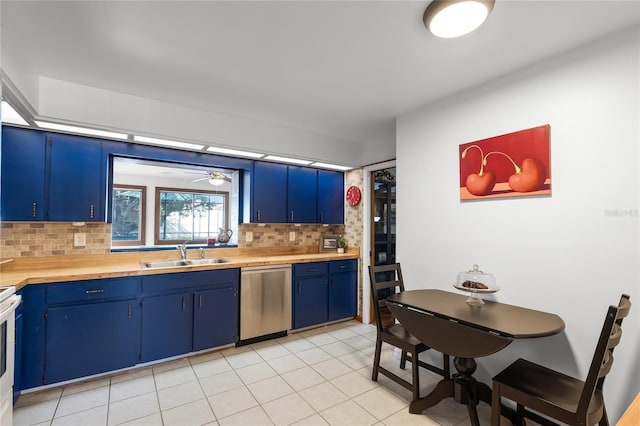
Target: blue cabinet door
[[77, 179], [17, 372], [310, 301], [330, 197], [343, 295], [215, 317], [269, 190], [90, 338], [23, 175], [167, 321], [302, 195]]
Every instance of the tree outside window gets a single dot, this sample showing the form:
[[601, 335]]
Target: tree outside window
[[186, 215], [128, 217]]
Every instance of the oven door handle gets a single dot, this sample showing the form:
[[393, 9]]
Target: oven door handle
[[15, 301]]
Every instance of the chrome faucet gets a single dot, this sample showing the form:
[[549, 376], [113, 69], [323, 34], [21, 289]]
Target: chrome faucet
[[183, 250], [201, 253]]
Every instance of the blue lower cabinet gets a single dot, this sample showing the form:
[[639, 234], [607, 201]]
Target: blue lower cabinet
[[166, 324], [91, 338], [215, 317], [17, 372], [343, 296], [310, 301], [324, 291]]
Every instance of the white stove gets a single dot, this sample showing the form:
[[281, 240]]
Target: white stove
[[9, 301]]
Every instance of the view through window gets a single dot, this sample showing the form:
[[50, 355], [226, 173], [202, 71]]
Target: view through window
[[189, 216]]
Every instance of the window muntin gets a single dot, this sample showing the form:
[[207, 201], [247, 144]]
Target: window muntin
[[189, 215], [128, 215]]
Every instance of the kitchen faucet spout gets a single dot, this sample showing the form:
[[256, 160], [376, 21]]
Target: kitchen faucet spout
[[183, 250]]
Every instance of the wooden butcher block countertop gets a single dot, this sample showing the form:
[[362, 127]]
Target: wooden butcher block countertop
[[50, 269]]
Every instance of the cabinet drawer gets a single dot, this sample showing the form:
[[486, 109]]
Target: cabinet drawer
[[348, 265], [82, 291], [168, 282], [309, 269]]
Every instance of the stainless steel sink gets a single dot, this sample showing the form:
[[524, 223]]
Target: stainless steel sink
[[180, 263], [211, 261]]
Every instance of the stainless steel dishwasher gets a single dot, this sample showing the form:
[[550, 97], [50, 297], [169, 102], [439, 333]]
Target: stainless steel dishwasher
[[265, 302]]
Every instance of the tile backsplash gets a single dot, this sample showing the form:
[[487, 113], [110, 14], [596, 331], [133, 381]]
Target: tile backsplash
[[27, 239]]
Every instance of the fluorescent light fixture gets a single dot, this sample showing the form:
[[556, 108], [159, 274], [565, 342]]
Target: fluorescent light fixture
[[10, 115], [331, 166], [164, 142], [82, 130], [455, 18], [288, 160], [234, 152]]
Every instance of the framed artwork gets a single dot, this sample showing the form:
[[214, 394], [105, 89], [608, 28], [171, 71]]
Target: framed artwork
[[329, 242], [517, 164]]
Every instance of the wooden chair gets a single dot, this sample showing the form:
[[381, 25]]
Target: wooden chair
[[386, 280], [539, 390]]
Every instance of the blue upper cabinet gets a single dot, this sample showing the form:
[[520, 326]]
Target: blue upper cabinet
[[293, 194], [78, 179], [22, 195], [50, 176], [301, 195], [330, 197], [269, 190]]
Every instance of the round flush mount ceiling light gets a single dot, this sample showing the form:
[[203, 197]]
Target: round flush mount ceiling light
[[455, 18]]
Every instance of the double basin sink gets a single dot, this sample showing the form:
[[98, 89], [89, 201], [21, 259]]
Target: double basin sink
[[181, 262]]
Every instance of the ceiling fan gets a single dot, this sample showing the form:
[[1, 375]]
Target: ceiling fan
[[214, 178]]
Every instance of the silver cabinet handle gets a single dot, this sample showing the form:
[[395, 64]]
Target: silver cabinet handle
[[200, 301], [34, 209], [129, 311], [321, 217], [184, 303], [91, 211], [99, 290], [259, 215], [291, 215]]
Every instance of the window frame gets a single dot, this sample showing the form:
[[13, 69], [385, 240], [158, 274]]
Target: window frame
[[156, 227], [143, 216]]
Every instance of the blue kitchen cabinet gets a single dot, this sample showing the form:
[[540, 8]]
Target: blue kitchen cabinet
[[77, 179], [343, 289], [167, 321], [330, 197], [91, 338], [269, 193], [22, 192], [324, 291], [215, 317], [34, 308], [302, 195], [188, 311], [17, 363], [310, 296], [92, 326]]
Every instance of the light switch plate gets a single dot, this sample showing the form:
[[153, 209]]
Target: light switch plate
[[79, 239], [248, 236], [292, 235]]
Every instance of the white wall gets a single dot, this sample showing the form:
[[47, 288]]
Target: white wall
[[568, 253]]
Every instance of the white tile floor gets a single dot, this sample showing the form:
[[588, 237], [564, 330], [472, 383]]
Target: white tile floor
[[316, 377]]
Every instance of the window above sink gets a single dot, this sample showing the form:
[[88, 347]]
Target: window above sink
[[164, 204]]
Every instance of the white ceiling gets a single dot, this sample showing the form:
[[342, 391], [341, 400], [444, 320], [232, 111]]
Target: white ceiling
[[340, 68]]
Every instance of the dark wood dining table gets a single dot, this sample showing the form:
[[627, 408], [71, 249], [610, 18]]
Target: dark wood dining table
[[445, 322]]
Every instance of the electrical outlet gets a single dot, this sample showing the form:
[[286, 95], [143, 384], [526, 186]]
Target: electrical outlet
[[292, 235], [79, 239], [248, 236]]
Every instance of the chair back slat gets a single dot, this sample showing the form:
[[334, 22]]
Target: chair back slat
[[384, 277], [607, 362], [603, 357]]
